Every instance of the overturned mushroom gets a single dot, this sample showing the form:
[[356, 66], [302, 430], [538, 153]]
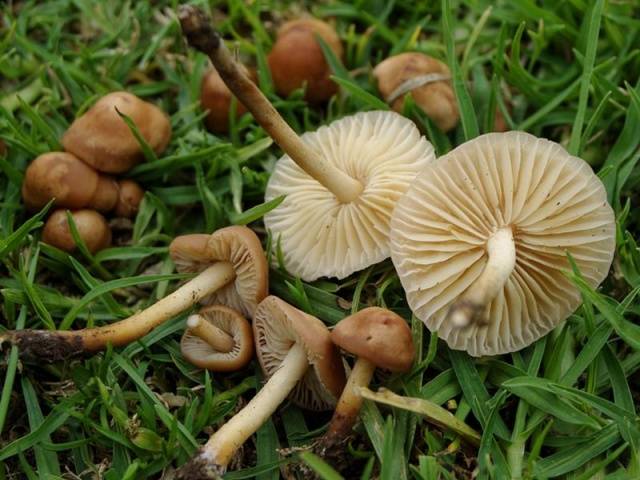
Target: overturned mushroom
[[92, 228], [218, 338], [480, 241], [297, 356], [102, 139], [340, 183], [232, 271]]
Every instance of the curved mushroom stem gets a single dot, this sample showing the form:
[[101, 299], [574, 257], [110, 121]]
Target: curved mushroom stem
[[472, 305], [58, 345], [348, 407], [216, 454], [217, 338], [201, 35]]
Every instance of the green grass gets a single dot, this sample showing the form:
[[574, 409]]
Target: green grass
[[564, 407]]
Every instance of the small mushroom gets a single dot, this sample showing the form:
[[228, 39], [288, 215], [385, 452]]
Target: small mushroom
[[296, 59], [340, 183], [70, 181], [300, 362], [480, 241], [130, 194], [102, 139], [378, 338], [218, 338], [427, 80], [231, 268], [216, 97], [3, 148], [92, 228]]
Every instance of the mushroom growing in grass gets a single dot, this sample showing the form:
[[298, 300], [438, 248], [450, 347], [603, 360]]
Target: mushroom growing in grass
[[92, 228], [300, 362], [378, 338], [216, 97], [130, 195], [426, 79], [217, 338], [102, 139], [340, 183], [480, 241], [231, 269]]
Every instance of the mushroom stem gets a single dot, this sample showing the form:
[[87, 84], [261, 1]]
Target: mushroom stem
[[219, 450], [472, 305], [346, 413], [217, 338], [58, 345], [201, 35]]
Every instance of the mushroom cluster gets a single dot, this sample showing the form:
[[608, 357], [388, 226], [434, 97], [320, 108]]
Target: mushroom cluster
[[98, 143]]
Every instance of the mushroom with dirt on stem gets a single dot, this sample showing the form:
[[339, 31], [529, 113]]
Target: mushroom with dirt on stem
[[340, 183], [295, 352], [92, 228], [480, 241], [217, 338], [231, 269]]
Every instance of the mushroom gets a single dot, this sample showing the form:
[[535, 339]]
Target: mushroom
[[427, 80], [231, 268], [92, 228], [216, 97], [130, 194], [480, 241], [101, 138], [296, 59], [341, 182], [300, 362], [380, 339], [70, 181], [218, 338], [3, 148]]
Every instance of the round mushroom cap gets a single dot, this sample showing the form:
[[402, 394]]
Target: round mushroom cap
[[297, 59], [130, 194], [216, 97], [554, 205], [203, 355], [377, 335], [323, 237], [435, 98], [101, 138], [92, 228], [276, 327], [237, 245]]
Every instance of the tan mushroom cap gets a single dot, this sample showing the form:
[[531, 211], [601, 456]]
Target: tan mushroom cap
[[377, 335], [323, 237], [92, 228], [216, 97], [130, 195], [203, 355], [276, 327], [237, 245], [551, 202], [435, 97], [101, 138]]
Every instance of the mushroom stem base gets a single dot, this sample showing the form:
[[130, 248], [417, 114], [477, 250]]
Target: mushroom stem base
[[214, 336], [471, 307], [222, 445]]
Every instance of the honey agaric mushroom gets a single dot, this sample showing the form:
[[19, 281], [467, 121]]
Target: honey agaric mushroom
[[296, 354], [70, 181], [102, 139], [232, 271], [130, 194], [480, 241], [218, 338], [427, 80], [296, 59], [378, 338], [92, 228], [216, 97], [341, 182]]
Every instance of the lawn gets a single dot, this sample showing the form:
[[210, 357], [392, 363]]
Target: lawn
[[563, 407]]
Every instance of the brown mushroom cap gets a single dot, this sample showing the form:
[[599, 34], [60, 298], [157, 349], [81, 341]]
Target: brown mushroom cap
[[3, 148], [276, 326], [435, 98], [377, 335], [237, 245], [550, 202], [203, 355], [129, 197], [296, 59], [101, 138], [92, 228], [216, 97]]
